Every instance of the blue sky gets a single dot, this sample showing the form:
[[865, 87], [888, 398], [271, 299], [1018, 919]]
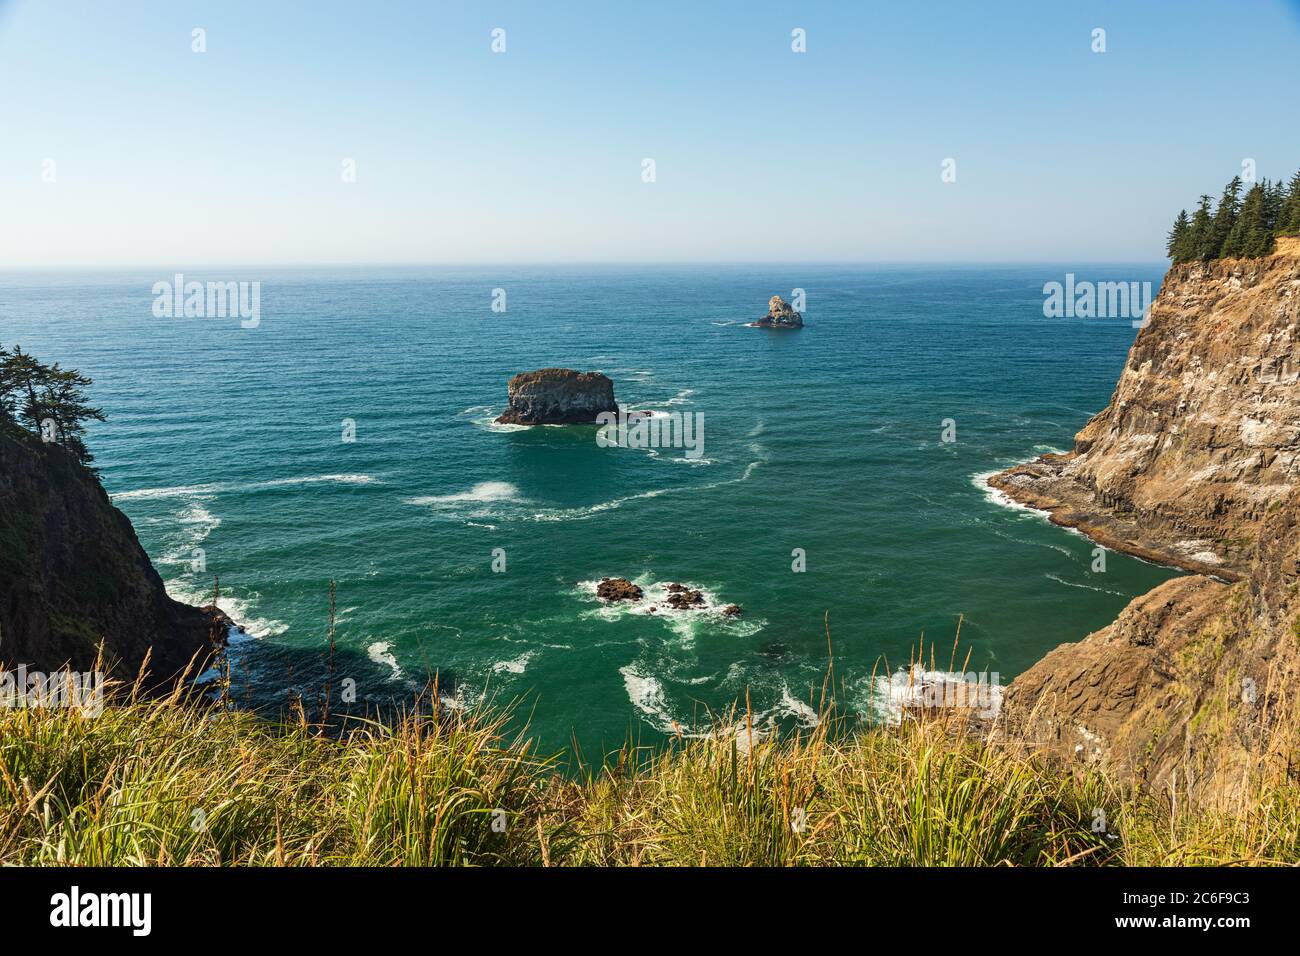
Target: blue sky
[[166, 157]]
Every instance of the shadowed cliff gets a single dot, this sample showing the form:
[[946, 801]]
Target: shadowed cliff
[[73, 575]]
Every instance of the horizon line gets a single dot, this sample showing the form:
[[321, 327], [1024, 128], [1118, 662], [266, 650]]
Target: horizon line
[[589, 263]]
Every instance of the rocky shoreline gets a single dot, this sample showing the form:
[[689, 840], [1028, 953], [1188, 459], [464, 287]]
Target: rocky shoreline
[[1195, 463], [1042, 485]]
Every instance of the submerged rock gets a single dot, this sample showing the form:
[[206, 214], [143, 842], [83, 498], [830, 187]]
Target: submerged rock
[[618, 589], [733, 610], [557, 396], [780, 315]]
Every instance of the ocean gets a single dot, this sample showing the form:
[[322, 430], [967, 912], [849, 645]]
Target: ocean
[[471, 551]]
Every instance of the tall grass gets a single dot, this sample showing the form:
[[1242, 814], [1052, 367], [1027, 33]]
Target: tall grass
[[175, 782]]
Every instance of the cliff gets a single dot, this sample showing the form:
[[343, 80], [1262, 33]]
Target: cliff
[[73, 575], [1194, 463], [557, 396]]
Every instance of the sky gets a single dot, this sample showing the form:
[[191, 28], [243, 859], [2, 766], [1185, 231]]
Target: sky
[[122, 146]]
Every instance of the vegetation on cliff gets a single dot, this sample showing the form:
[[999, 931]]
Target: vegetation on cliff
[[75, 585], [48, 399], [167, 782], [1237, 227]]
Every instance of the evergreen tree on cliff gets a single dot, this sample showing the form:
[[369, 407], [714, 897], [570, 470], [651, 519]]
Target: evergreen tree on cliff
[[35, 394], [1274, 200], [1177, 245], [1250, 236], [1288, 220], [1225, 217], [1199, 235]]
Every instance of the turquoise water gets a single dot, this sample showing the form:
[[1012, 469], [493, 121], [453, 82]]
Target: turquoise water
[[826, 439]]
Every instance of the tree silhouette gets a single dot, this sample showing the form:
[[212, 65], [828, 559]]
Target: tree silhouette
[[50, 400]]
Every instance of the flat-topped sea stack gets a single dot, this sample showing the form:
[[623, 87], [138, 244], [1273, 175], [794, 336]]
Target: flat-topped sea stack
[[558, 396], [780, 315]]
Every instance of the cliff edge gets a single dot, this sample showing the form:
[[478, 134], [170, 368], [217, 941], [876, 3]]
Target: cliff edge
[[73, 575], [1194, 463]]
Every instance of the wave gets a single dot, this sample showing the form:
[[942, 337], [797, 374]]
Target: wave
[[997, 496], [589, 511], [1073, 584], [213, 488], [482, 493], [240, 609], [915, 688], [514, 666], [196, 524], [792, 707], [647, 695], [381, 653]]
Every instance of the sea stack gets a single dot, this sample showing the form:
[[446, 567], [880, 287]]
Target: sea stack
[[779, 315], [557, 396]]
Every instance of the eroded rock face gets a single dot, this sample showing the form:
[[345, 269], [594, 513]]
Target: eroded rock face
[[1196, 463], [73, 574], [779, 315], [1202, 435], [557, 396]]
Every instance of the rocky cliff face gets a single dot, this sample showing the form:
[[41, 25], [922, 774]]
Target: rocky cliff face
[[73, 574], [557, 396], [1196, 463], [780, 315]]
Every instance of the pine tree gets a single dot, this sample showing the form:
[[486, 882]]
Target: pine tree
[[1199, 234], [1225, 217], [1288, 220], [1177, 246], [1250, 221], [1274, 200], [64, 401], [34, 394]]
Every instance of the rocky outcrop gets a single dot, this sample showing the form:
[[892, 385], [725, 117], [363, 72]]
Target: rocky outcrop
[[682, 598], [557, 396], [73, 576], [618, 589], [779, 315], [1202, 436], [1194, 463]]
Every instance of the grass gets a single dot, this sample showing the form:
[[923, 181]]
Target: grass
[[174, 782]]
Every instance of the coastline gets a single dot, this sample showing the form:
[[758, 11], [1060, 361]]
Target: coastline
[[1082, 513]]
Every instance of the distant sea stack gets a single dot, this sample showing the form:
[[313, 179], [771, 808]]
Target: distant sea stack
[[779, 316], [558, 396]]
